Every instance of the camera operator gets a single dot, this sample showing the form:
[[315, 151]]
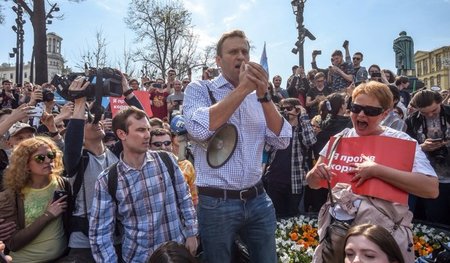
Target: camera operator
[[85, 157], [9, 97], [175, 100], [430, 126], [158, 99]]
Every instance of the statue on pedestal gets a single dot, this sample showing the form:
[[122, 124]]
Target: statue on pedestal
[[404, 54]]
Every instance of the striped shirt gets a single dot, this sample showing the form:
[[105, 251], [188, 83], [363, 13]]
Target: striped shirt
[[243, 170], [147, 209]]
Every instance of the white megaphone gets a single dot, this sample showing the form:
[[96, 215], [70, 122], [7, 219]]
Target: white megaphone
[[221, 145]]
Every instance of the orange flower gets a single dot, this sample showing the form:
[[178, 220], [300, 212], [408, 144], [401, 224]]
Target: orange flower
[[294, 236]]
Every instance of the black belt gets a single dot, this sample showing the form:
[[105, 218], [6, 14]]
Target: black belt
[[244, 194]]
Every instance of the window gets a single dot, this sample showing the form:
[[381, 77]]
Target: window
[[438, 62], [26, 75], [419, 68], [425, 67], [431, 81], [11, 75], [438, 80], [425, 82]]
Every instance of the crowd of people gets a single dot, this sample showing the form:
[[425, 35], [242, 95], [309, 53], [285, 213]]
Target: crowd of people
[[138, 188]]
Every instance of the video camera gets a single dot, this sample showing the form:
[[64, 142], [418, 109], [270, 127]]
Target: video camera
[[105, 82]]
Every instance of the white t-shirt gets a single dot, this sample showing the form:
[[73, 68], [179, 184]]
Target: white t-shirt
[[421, 162]]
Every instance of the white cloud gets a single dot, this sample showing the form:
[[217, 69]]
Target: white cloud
[[205, 38], [244, 7], [113, 6], [195, 7], [229, 19]]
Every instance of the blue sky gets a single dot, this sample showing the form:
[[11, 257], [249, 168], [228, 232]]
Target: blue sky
[[369, 25]]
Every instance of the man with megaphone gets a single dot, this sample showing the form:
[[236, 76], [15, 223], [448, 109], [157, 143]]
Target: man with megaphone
[[232, 199]]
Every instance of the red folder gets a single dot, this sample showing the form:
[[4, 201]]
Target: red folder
[[392, 152]]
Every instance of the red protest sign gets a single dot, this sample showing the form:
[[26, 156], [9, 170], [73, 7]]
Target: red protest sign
[[392, 152], [118, 104]]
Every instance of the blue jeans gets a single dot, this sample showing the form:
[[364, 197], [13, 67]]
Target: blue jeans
[[220, 220]]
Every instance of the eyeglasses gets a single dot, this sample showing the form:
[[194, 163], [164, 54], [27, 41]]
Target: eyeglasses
[[368, 110], [356, 58], [40, 158], [288, 108], [159, 144], [185, 82]]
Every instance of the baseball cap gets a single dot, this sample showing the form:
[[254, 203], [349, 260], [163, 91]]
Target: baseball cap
[[18, 127]]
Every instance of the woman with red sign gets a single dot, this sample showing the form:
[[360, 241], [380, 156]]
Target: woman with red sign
[[372, 170]]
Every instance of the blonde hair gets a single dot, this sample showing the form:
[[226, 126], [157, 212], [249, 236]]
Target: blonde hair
[[375, 89], [17, 174]]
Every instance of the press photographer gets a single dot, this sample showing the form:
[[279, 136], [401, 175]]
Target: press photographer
[[85, 157], [430, 126]]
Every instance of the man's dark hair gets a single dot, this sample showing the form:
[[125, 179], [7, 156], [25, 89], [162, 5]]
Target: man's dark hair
[[295, 67], [360, 54], [120, 121], [234, 33], [133, 80], [425, 98], [156, 122], [395, 93], [291, 101], [159, 132], [375, 66], [335, 101], [401, 80], [6, 81], [337, 53]]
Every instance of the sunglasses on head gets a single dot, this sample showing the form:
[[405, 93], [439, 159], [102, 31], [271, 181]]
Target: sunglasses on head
[[368, 110], [159, 144], [40, 158], [288, 108]]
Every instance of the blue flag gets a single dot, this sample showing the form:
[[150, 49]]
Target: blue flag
[[264, 63]]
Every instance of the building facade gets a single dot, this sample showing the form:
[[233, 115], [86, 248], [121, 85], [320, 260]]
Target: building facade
[[55, 61], [433, 67]]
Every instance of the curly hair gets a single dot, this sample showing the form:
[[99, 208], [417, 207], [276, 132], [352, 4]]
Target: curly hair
[[17, 174]]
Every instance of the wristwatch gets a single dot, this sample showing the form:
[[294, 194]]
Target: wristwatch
[[266, 98]]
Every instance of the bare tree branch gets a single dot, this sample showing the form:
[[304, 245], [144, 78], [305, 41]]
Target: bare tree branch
[[165, 28]]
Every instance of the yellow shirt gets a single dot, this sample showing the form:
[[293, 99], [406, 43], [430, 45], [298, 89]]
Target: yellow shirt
[[188, 171], [51, 242]]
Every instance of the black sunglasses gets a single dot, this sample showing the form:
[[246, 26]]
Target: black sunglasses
[[368, 110], [356, 58], [40, 158], [288, 108], [159, 144]]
